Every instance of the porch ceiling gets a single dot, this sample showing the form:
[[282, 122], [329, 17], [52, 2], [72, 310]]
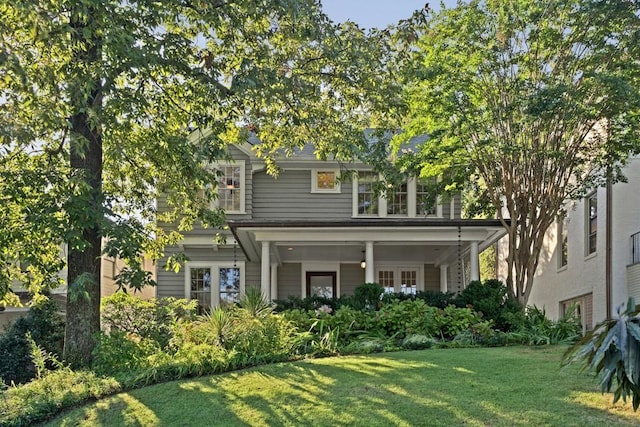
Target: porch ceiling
[[429, 241]]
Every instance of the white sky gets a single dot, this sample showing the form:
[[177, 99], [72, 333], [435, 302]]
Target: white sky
[[376, 13]]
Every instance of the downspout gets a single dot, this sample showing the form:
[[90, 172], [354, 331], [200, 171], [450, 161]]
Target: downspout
[[608, 232]]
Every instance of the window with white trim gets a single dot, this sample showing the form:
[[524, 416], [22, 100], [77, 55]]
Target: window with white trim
[[214, 284], [231, 192], [425, 205], [403, 279], [563, 242], [592, 223], [367, 199], [398, 200], [324, 181]]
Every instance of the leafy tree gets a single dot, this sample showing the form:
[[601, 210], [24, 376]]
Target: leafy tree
[[104, 105], [528, 104]]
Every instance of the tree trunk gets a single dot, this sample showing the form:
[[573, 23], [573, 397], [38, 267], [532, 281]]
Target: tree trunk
[[85, 204]]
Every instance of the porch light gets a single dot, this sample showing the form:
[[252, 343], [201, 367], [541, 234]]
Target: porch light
[[363, 263]]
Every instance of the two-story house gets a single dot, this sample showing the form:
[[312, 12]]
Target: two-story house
[[573, 264], [308, 232]]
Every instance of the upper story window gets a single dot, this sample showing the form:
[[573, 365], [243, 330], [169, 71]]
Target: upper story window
[[411, 198], [397, 200], [563, 242], [324, 181], [424, 207], [231, 192], [367, 199], [592, 223]]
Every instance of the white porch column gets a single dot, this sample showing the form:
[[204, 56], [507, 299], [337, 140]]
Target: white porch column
[[475, 261], [368, 257], [444, 274], [274, 282], [265, 276]]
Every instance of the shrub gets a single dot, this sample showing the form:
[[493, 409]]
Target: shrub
[[367, 296], [436, 299], [453, 320], [52, 390], [120, 352], [401, 318], [46, 326], [417, 342], [492, 299], [150, 319], [313, 302], [538, 329]]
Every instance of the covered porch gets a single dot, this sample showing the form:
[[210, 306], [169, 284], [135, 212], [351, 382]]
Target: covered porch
[[330, 258]]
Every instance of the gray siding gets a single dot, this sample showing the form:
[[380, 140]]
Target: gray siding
[[351, 276], [252, 274], [431, 278], [289, 196], [289, 280]]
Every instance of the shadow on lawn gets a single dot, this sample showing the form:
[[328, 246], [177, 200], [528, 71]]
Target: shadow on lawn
[[434, 387]]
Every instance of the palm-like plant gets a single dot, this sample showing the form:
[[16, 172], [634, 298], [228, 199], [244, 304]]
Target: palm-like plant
[[255, 303], [612, 350]]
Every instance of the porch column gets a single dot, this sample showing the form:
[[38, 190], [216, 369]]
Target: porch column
[[368, 257], [475, 261], [444, 275], [265, 276], [274, 281]]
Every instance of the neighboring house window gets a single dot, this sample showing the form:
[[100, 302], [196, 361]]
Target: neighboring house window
[[563, 242], [581, 307], [635, 248], [592, 223], [324, 181], [397, 200], [423, 206], [231, 187], [367, 199], [212, 284]]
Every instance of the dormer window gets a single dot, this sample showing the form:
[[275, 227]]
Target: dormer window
[[324, 181]]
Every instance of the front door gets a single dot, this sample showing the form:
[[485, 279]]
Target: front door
[[321, 283]]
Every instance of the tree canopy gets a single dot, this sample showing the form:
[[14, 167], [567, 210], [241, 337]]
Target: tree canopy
[[529, 104], [104, 105]]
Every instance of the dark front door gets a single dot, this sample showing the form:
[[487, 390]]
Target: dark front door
[[321, 283]]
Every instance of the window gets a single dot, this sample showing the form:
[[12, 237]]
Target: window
[[399, 279], [231, 187], [229, 285], [324, 181], [581, 307], [425, 205], [214, 284], [592, 223], [397, 200], [367, 199], [412, 198], [321, 283], [200, 287], [563, 242], [385, 279]]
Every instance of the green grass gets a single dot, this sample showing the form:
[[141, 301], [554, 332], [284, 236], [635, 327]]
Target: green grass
[[513, 386]]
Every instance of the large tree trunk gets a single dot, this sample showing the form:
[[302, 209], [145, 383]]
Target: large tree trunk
[[85, 205]]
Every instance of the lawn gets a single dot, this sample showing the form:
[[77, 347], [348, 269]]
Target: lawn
[[507, 386]]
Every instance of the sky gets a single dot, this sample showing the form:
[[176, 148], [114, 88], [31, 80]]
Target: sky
[[376, 13]]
